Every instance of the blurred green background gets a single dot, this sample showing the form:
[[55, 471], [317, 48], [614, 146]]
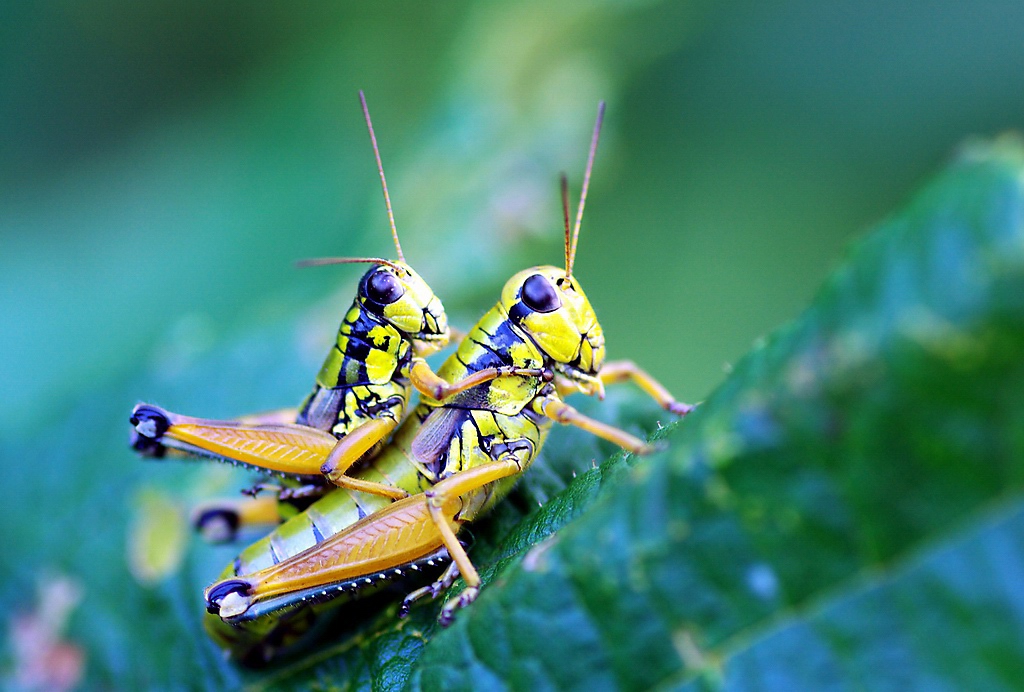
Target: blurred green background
[[162, 165]]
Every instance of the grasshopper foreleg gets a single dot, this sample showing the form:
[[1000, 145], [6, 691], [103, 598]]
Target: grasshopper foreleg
[[561, 412], [617, 371], [427, 382], [220, 521]]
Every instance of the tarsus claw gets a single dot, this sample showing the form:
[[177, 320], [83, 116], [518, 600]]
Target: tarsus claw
[[680, 409]]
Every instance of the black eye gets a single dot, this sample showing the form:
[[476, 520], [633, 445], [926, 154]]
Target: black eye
[[539, 295], [383, 288]]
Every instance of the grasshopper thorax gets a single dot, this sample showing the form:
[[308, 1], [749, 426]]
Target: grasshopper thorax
[[395, 293], [552, 309]]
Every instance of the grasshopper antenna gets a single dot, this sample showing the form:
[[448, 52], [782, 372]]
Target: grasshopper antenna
[[383, 180], [565, 214], [586, 184], [322, 261]]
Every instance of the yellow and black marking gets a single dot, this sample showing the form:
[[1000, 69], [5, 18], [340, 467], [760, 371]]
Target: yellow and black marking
[[365, 375]]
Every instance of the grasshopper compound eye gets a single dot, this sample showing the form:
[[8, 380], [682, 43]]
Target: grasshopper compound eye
[[383, 288], [539, 295]]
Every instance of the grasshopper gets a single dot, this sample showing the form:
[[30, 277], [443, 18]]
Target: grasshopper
[[360, 396], [456, 455]]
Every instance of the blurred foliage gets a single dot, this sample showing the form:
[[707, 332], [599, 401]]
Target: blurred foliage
[[161, 165]]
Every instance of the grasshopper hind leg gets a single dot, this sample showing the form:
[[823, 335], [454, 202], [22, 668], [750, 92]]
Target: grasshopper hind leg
[[217, 524], [617, 371], [224, 520], [149, 424], [255, 642], [262, 442]]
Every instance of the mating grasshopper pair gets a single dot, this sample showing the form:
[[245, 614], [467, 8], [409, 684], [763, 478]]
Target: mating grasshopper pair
[[393, 487]]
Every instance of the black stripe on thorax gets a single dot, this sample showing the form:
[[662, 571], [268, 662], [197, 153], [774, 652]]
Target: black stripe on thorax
[[363, 322], [495, 350], [357, 334], [518, 312], [357, 349]]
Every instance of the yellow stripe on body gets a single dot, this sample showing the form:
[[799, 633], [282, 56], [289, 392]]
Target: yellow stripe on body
[[380, 366], [330, 371]]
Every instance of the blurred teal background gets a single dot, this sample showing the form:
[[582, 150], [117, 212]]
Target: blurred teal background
[[168, 161], [163, 164]]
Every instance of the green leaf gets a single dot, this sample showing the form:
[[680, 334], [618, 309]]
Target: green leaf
[[951, 619]]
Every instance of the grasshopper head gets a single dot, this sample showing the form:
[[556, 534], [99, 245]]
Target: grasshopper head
[[553, 310], [396, 293], [550, 306]]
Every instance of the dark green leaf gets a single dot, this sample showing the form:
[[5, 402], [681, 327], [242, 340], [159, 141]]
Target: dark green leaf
[[951, 619]]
